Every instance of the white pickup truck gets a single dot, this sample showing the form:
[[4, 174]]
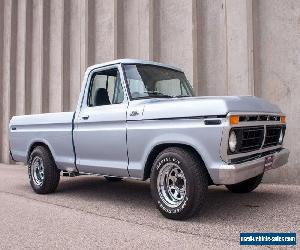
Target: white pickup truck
[[140, 119]]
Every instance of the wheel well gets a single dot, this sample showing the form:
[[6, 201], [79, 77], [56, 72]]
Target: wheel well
[[157, 149], [34, 145]]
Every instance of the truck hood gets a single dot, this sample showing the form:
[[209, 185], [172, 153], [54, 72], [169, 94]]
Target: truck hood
[[202, 106]]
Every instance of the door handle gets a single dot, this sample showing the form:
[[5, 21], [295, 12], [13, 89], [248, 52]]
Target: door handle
[[85, 117]]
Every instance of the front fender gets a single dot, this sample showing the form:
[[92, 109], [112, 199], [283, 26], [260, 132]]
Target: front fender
[[143, 136]]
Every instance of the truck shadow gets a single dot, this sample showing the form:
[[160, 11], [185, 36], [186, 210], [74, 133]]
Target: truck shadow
[[131, 195], [98, 189]]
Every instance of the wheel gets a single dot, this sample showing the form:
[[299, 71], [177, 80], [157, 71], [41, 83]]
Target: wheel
[[113, 179], [43, 174], [246, 186], [179, 183]]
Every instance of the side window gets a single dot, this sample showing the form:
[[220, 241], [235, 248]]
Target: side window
[[105, 88]]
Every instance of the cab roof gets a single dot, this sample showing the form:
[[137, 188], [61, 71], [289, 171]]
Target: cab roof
[[133, 61]]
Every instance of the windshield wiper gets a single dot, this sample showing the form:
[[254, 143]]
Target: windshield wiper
[[157, 94], [179, 96], [142, 97]]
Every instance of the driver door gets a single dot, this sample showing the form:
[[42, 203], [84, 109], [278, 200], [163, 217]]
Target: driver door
[[100, 126]]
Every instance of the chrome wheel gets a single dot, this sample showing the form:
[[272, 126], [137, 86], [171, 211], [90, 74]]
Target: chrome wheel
[[37, 170], [171, 184]]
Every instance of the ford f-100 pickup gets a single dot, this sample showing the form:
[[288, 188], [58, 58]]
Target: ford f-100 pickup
[[140, 119]]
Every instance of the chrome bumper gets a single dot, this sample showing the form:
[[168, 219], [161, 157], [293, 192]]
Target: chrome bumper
[[235, 173]]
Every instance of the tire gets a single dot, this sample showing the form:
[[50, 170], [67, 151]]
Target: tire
[[113, 179], [187, 192], [246, 186], [43, 174]]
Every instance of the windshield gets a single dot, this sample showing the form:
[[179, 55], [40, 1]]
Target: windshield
[[149, 81]]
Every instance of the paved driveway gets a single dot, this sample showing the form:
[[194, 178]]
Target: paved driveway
[[89, 213]]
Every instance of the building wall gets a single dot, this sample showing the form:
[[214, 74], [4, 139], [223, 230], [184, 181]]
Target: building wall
[[277, 74], [226, 47]]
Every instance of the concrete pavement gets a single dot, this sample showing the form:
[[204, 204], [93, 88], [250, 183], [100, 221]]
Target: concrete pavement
[[91, 213]]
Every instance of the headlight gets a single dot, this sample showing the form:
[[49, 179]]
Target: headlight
[[232, 142], [280, 140]]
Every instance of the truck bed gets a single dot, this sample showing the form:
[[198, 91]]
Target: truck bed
[[52, 129]]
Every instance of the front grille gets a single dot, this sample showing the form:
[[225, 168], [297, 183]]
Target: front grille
[[248, 138], [254, 118], [251, 138], [272, 136]]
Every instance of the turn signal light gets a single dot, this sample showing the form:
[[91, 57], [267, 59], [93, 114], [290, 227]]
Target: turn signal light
[[234, 120], [282, 119]]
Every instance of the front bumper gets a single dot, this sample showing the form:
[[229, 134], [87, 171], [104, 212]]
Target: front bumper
[[235, 173]]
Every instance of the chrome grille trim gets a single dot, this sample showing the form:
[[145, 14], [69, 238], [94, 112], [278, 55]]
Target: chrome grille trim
[[224, 142]]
